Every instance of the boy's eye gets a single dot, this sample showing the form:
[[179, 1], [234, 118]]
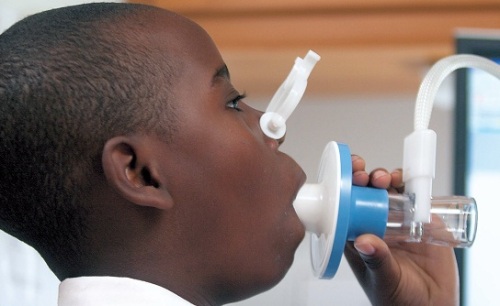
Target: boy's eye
[[234, 102]]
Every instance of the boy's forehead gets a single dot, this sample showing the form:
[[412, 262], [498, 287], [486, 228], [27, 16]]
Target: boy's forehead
[[180, 42], [181, 35], [168, 21]]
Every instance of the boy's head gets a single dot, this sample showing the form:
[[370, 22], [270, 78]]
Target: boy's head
[[126, 152]]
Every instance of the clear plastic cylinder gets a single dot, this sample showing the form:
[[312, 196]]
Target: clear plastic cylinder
[[453, 221]]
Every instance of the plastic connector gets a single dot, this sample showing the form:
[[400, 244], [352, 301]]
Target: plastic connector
[[288, 96], [419, 167]]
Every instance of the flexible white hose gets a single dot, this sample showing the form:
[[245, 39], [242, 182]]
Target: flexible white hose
[[437, 74]]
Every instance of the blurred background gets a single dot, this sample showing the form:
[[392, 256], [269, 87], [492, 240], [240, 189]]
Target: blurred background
[[362, 92]]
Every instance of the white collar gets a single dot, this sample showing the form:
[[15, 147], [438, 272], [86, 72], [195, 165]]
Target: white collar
[[114, 291]]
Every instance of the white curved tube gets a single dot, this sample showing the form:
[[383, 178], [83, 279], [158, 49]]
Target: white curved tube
[[437, 74], [420, 146]]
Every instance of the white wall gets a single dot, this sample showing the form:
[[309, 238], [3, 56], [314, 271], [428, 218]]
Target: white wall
[[25, 279]]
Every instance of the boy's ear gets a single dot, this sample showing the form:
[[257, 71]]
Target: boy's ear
[[130, 168]]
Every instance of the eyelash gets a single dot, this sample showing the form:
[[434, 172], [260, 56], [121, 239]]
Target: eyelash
[[234, 102]]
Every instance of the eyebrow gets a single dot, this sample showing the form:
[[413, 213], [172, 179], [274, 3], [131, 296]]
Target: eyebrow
[[222, 72]]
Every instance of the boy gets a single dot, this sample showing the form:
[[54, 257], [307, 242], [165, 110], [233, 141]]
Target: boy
[[132, 165]]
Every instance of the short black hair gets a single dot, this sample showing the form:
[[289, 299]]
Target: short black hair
[[70, 79]]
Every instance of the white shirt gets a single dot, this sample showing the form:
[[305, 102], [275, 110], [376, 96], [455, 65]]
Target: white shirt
[[115, 291]]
